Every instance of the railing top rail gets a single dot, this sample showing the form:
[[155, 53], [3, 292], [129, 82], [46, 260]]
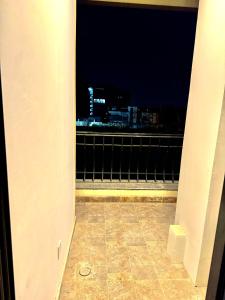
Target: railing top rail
[[125, 134]]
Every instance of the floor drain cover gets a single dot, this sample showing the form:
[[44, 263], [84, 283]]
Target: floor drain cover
[[85, 271]]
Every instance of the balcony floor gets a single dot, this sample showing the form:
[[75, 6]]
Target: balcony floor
[[124, 184], [124, 244]]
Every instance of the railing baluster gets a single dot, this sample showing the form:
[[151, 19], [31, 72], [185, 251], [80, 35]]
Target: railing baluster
[[93, 175], [164, 162], [147, 160], [85, 157], [172, 164], [130, 155], [172, 169], [121, 153], [103, 157], [159, 151], [111, 165], [138, 159], [155, 177]]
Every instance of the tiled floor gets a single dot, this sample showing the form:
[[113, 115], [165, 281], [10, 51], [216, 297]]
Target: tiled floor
[[124, 244]]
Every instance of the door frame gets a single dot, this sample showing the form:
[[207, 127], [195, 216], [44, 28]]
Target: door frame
[[216, 283], [7, 289]]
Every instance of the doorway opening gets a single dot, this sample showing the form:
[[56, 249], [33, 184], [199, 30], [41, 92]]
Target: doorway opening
[[133, 75], [6, 261]]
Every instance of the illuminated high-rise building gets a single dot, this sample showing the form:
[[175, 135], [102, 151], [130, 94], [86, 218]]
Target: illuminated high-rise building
[[103, 99]]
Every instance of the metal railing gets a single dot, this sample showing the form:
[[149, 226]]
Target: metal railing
[[128, 157]]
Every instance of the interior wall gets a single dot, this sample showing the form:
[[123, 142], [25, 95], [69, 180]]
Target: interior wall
[[215, 194], [37, 51], [202, 168]]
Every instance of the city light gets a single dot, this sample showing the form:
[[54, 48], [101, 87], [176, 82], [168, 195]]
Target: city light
[[99, 101]]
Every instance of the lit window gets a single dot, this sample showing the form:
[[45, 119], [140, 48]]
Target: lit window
[[102, 101]]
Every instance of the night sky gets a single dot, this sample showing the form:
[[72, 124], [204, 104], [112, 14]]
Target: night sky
[[143, 51]]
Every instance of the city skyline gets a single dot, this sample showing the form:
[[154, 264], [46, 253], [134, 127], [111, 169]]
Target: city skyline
[[148, 53], [109, 108]]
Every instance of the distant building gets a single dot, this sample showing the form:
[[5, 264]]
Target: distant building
[[118, 117], [133, 116], [150, 117], [82, 123], [109, 107], [97, 103], [102, 100]]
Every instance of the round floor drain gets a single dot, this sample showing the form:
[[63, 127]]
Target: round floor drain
[[85, 271]]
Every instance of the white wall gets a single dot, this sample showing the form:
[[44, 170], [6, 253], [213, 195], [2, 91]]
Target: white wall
[[215, 194], [203, 164], [37, 52]]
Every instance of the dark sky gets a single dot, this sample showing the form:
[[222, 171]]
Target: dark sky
[[143, 51]]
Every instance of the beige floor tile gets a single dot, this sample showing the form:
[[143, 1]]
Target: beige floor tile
[[68, 288], [139, 255], [134, 241], [148, 290], [96, 219], [114, 231], [165, 269], [125, 246], [144, 272], [95, 209], [117, 257], [112, 211], [95, 254], [80, 207], [67, 295], [98, 254], [121, 287], [152, 284], [127, 210], [121, 276], [97, 240], [156, 248], [131, 231], [88, 240], [91, 290], [116, 248], [96, 272], [155, 231], [111, 205], [180, 289], [118, 263], [82, 219], [115, 237], [143, 212], [97, 229], [81, 229], [129, 219]]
